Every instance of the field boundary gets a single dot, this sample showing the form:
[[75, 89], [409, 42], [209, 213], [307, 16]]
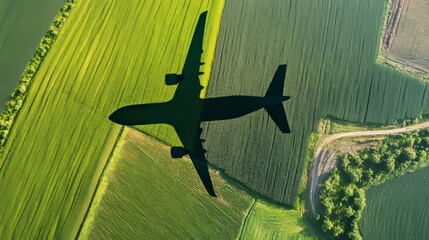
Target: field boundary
[[247, 217], [226, 177], [19, 94], [392, 16], [318, 160], [99, 181]]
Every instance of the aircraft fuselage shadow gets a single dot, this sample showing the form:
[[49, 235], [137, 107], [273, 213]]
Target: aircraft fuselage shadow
[[186, 110]]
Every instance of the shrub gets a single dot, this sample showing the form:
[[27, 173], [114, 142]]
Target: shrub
[[343, 193]]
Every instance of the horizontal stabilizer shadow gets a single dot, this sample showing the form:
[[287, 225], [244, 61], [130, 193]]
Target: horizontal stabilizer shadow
[[224, 108], [186, 110], [276, 111]]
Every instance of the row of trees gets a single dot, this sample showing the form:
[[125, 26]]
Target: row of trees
[[19, 94], [343, 193]]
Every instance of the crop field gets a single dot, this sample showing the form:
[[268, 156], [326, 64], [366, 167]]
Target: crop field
[[330, 48], [410, 45], [147, 195], [19, 36], [398, 209], [266, 221], [62, 138]]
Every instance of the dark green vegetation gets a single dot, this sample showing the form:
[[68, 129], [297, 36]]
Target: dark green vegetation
[[22, 25], [343, 193], [398, 209], [19, 94], [330, 48], [147, 195], [61, 138]]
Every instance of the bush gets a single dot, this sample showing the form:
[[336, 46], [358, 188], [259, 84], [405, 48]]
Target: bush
[[343, 193]]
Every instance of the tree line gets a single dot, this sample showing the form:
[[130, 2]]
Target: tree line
[[20, 92], [343, 193]]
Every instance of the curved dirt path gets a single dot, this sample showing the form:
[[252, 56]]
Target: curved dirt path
[[318, 156]]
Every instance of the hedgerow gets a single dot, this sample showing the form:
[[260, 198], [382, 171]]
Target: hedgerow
[[343, 193], [19, 94]]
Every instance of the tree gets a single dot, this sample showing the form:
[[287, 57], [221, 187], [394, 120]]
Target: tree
[[4, 133], [355, 174], [375, 157], [410, 154], [327, 225], [338, 230], [349, 190], [355, 235], [422, 156]]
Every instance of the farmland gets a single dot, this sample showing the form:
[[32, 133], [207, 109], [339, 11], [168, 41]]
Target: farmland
[[19, 36], [142, 173], [398, 209], [62, 138], [149, 195], [330, 48], [266, 221], [343, 193], [408, 45]]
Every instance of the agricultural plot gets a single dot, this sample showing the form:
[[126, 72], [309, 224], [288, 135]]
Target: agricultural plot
[[147, 195], [270, 222], [62, 138], [409, 37], [19, 36], [330, 48], [398, 209]]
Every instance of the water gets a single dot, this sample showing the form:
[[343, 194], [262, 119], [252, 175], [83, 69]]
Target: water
[[22, 24]]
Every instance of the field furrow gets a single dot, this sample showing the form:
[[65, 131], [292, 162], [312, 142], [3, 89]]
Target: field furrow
[[108, 54], [330, 48], [397, 209]]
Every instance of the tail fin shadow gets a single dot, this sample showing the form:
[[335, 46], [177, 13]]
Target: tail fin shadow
[[276, 111]]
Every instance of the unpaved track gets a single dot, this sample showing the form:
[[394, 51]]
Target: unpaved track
[[319, 160]]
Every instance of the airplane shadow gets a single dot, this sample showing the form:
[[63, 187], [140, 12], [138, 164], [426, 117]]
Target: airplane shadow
[[186, 110]]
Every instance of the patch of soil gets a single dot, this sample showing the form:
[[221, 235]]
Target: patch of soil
[[393, 22]]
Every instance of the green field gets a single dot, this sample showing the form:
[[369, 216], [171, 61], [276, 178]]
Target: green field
[[19, 36], [266, 221], [398, 209], [330, 48], [146, 194], [410, 45], [343, 194], [110, 54], [61, 139]]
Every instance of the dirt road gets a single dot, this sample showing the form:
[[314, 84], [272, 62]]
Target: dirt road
[[319, 158]]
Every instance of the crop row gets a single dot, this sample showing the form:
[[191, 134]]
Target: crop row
[[20, 92], [108, 54], [148, 196], [330, 49]]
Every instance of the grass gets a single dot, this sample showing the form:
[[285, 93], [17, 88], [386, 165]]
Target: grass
[[397, 209], [330, 48], [333, 126], [58, 145], [19, 36], [267, 221], [343, 193], [410, 46], [145, 195]]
